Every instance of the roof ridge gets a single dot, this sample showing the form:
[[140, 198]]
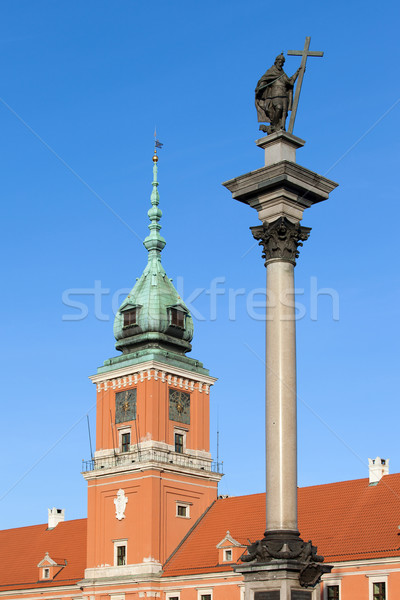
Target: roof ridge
[[319, 485], [43, 525], [360, 479], [241, 496]]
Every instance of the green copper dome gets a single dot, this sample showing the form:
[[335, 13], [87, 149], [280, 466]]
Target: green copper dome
[[153, 315]]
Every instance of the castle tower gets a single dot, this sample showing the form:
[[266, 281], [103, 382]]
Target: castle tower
[[152, 475]]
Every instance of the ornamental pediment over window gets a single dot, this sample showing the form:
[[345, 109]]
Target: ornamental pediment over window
[[50, 567], [230, 550]]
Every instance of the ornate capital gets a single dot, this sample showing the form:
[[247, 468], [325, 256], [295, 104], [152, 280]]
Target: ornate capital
[[280, 240]]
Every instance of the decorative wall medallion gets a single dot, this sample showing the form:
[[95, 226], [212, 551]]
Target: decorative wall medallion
[[120, 504], [179, 406], [125, 406]]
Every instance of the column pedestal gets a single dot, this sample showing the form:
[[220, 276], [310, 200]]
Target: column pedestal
[[280, 146], [278, 581]]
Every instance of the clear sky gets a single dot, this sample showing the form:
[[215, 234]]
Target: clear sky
[[82, 86]]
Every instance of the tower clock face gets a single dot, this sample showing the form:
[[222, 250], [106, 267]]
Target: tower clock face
[[179, 406], [125, 406]]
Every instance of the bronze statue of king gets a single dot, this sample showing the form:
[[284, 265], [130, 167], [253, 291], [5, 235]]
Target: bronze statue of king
[[274, 96]]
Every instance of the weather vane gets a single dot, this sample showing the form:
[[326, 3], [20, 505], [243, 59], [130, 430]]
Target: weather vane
[[274, 92], [157, 143]]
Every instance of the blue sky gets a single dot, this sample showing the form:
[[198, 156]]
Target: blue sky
[[82, 86]]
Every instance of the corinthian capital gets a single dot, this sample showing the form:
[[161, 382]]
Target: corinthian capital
[[281, 239]]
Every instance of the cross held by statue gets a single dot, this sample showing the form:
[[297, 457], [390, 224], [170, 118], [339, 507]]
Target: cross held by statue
[[305, 53]]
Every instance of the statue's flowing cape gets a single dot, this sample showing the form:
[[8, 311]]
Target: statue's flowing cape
[[264, 94]]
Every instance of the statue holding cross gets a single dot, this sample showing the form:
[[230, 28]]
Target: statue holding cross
[[274, 92]]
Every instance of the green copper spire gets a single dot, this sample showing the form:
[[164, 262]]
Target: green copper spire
[[154, 241], [153, 316]]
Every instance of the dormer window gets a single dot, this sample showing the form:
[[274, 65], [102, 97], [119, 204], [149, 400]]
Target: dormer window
[[176, 317], [130, 317], [49, 568], [230, 550]]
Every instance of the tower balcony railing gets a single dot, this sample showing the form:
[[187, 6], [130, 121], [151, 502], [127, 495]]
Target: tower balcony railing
[[150, 455]]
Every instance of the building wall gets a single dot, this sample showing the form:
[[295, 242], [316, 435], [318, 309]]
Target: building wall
[[152, 422], [355, 579], [151, 525]]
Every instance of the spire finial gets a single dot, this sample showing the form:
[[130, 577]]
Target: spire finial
[[157, 144], [154, 242]]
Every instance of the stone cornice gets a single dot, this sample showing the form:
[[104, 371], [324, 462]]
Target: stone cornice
[[164, 583], [307, 185], [132, 374], [367, 563], [281, 239]]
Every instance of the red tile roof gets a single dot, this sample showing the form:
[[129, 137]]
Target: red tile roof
[[22, 549], [348, 520]]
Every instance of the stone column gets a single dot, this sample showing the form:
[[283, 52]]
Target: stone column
[[280, 241], [281, 566]]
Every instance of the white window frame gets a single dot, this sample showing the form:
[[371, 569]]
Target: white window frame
[[329, 583], [121, 431], [225, 550], [186, 505], [117, 544], [383, 578], [170, 595], [183, 432], [117, 596], [44, 576], [203, 592]]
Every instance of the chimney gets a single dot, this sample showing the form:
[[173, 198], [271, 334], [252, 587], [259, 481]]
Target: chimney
[[56, 516], [378, 467]]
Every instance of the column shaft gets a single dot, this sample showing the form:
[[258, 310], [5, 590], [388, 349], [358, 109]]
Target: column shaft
[[281, 410]]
